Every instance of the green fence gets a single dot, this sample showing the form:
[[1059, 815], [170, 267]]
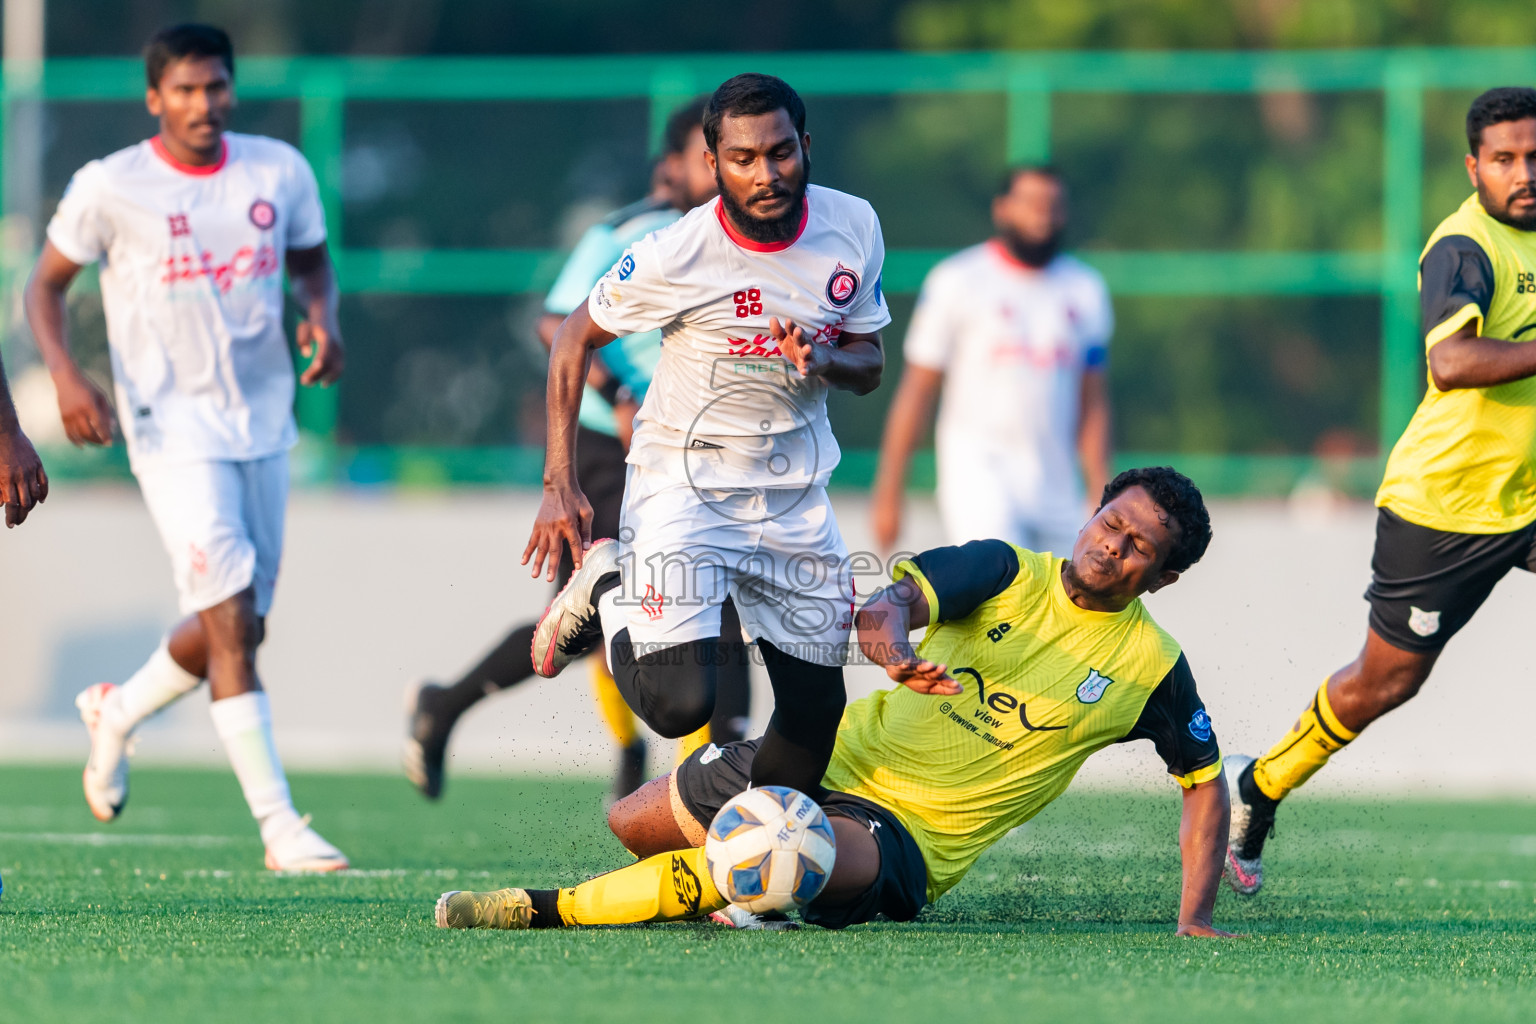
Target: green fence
[[1030, 85]]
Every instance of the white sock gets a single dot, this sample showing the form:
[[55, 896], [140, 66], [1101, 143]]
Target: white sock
[[160, 682], [613, 619], [244, 723]]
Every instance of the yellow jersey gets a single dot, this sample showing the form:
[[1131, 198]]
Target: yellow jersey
[[1467, 462], [1046, 684]]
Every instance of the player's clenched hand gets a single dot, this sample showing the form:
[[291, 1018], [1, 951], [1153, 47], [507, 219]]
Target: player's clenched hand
[[809, 358], [330, 355], [23, 483], [924, 677], [1205, 931], [85, 410], [565, 517]]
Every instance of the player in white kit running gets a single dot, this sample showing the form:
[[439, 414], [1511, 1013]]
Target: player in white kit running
[[193, 229], [1015, 336], [766, 298], [23, 482]]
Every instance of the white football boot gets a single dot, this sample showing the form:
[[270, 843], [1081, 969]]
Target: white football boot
[[570, 626], [301, 848], [105, 778], [1252, 823], [733, 916]]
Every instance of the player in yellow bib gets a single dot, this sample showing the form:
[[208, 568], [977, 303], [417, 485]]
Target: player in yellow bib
[[1029, 663], [1457, 507]]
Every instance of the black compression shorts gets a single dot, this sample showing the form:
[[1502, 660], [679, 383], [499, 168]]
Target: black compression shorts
[[712, 775]]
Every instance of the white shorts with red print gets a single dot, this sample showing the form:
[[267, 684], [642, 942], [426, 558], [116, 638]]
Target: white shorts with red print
[[776, 551], [222, 524]]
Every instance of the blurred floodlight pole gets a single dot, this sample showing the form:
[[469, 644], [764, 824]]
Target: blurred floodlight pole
[[21, 162]]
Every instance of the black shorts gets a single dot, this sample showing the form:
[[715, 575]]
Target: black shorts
[[899, 891], [600, 472], [1426, 584]]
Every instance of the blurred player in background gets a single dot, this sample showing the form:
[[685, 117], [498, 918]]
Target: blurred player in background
[[616, 383], [23, 483], [193, 229], [1015, 335], [766, 298], [1457, 506], [982, 736]]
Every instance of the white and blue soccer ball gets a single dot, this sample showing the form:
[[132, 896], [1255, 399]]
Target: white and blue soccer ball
[[770, 848]]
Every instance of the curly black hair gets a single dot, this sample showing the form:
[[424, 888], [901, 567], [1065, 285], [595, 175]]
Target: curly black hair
[[749, 94], [182, 41], [1177, 495], [1508, 103]]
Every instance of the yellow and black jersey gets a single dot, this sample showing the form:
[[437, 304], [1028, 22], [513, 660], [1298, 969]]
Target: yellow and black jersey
[[1046, 684], [1467, 462]]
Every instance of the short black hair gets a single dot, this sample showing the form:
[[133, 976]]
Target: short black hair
[[179, 42], [749, 94], [1507, 103], [1017, 171], [1177, 495], [681, 123]]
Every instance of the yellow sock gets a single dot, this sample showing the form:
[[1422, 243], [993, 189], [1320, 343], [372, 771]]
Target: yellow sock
[[1317, 735], [666, 887], [616, 713], [693, 741]]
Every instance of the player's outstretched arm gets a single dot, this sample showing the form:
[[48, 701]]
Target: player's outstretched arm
[[1203, 844], [313, 283], [565, 515], [853, 363], [86, 412], [883, 624], [23, 483], [1468, 360]]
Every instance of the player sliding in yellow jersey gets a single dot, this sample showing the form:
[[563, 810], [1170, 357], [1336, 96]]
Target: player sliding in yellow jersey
[[1028, 664], [1458, 502]]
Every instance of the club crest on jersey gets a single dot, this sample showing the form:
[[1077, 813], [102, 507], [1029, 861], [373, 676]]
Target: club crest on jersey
[[1422, 622], [263, 214], [842, 286], [1091, 689], [179, 226], [1200, 726]]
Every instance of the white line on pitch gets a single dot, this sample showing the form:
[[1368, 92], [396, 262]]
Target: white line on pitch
[[114, 839]]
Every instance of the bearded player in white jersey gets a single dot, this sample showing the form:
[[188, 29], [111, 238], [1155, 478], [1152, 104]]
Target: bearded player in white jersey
[[766, 298], [193, 229], [1012, 338]]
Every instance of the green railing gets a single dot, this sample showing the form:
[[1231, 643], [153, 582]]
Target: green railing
[[323, 87]]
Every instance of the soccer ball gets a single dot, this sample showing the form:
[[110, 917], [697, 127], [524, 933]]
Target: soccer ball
[[770, 848]]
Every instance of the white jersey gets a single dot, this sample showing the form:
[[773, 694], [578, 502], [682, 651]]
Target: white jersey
[[1013, 343], [725, 409], [192, 284]]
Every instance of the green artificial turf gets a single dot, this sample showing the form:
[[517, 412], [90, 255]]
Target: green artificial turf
[[1375, 910]]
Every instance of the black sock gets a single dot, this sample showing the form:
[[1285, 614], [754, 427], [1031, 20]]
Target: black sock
[[546, 908], [1250, 791], [508, 664], [733, 682], [808, 703]]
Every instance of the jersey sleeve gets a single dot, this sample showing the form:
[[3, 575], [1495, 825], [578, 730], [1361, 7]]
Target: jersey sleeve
[[633, 296], [869, 311], [932, 332], [1455, 286], [958, 580], [306, 214], [1174, 719], [1097, 323], [593, 255], [79, 228]]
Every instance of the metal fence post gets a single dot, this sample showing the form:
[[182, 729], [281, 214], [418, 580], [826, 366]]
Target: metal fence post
[[1402, 199], [1028, 138]]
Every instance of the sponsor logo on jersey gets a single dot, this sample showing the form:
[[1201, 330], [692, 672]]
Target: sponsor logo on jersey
[[842, 286], [263, 214], [711, 754], [1091, 689], [997, 632], [1200, 726], [1422, 622], [179, 226], [749, 302], [652, 602], [626, 266], [247, 264]]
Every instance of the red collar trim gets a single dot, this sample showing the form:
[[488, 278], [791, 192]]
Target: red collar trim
[[751, 246], [192, 169], [1001, 252]]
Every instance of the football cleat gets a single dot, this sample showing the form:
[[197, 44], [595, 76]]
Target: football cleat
[[301, 848], [1253, 821], [733, 916], [507, 909], [426, 739], [570, 626], [105, 778]]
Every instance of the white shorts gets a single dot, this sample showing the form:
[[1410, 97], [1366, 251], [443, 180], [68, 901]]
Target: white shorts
[[978, 506], [222, 524], [776, 551]]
